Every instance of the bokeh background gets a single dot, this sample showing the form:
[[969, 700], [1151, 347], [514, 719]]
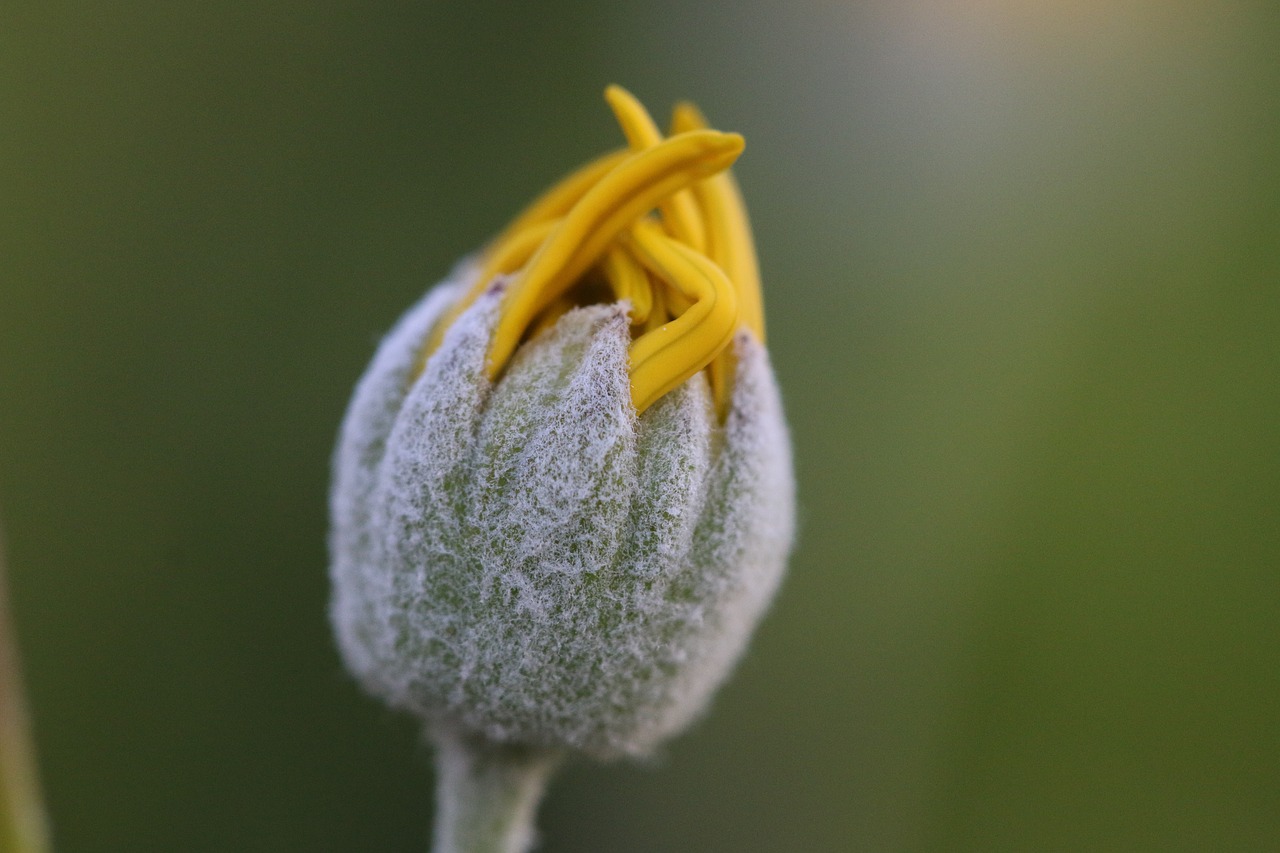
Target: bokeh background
[[1023, 280]]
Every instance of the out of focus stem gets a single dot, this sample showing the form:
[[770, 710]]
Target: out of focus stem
[[22, 820], [487, 793]]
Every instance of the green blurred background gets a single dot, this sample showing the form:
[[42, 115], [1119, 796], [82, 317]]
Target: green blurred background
[[1022, 267]]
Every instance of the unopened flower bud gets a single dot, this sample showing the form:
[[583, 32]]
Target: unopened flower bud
[[563, 494]]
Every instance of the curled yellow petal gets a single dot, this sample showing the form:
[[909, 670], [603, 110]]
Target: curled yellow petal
[[680, 212], [667, 356], [729, 244], [635, 186], [729, 240]]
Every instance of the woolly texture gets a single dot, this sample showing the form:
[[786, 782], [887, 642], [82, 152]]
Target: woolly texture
[[529, 560]]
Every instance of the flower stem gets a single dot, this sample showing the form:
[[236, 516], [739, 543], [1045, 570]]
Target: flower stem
[[487, 793], [22, 821]]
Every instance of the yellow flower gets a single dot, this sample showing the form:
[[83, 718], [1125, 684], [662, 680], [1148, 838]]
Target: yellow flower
[[689, 272]]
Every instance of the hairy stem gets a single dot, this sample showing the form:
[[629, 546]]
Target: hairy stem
[[487, 793], [22, 821]]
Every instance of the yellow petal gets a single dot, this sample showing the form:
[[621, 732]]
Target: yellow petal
[[729, 244], [729, 240], [667, 356], [635, 186], [680, 212]]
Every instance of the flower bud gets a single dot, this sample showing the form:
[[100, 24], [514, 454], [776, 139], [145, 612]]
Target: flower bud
[[557, 523]]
